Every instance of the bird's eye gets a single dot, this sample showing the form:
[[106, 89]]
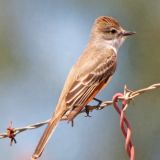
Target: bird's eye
[[113, 31]]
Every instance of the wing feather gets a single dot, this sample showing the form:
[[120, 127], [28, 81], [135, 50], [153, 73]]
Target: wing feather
[[85, 85]]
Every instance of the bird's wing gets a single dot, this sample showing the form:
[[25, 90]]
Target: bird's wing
[[88, 83]]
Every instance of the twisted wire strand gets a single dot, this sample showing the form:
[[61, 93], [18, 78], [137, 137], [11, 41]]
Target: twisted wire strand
[[128, 96]]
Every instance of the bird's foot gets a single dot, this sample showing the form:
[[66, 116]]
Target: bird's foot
[[87, 111], [72, 122]]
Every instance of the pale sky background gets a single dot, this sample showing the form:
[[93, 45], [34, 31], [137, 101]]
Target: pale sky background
[[40, 41]]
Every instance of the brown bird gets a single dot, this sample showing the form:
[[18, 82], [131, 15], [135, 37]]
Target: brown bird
[[92, 72]]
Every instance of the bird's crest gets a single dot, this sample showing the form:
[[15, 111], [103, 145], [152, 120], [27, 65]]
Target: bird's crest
[[107, 21]]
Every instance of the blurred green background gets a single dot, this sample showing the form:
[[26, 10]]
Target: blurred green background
[[40, 41]]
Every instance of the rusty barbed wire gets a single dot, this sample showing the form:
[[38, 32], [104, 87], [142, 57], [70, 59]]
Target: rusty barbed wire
[[128, 96]]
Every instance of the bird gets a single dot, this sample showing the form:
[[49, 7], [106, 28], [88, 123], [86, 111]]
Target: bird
[[89, 75]]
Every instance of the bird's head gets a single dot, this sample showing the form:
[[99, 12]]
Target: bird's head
[[108, 29]]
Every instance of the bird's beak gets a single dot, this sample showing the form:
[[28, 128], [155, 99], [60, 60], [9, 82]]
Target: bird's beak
[[128, 33]]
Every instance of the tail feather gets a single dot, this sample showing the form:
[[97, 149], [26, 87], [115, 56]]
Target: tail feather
[[46, 136]]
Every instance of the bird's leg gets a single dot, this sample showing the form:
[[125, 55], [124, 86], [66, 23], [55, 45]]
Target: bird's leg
[[98, 106], [98, 100], [87, 111], [72, 122]]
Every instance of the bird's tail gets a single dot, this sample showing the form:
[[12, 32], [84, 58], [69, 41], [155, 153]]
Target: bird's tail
[[46, 136]]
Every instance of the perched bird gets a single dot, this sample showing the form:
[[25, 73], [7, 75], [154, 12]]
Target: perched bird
[[90, 74]]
